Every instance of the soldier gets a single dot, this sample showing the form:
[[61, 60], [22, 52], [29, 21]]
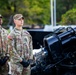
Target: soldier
[[3, 49], [20, 47]]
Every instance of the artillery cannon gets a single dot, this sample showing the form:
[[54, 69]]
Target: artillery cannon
[[57, 55]]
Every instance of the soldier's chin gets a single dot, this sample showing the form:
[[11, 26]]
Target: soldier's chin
[[21, 24]]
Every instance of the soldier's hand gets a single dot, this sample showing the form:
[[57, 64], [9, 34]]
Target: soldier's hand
[[25, 63], [1, 62], [4, 60]]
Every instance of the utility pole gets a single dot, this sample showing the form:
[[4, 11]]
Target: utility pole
[[51, 7], [53, 12]]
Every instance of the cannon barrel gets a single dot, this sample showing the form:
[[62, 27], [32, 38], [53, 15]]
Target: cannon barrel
[[58, 43]]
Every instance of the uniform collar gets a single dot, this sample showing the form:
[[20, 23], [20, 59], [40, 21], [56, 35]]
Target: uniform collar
[[18, 29]]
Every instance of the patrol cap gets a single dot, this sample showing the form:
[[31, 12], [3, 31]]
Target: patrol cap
[[18, 16], [0, 16]]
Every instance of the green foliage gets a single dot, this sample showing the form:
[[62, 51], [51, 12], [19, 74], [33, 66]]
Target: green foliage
[[63, 6], [34, 11], [69, 18]]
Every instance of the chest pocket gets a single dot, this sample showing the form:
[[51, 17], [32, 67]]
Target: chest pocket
[[17, 42]]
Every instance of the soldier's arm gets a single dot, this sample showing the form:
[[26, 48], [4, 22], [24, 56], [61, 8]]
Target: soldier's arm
[[30, 45], [31, 48], [7, 51], [5, 42]]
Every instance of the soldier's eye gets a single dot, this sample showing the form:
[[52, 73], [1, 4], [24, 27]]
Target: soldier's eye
[[21, 18]]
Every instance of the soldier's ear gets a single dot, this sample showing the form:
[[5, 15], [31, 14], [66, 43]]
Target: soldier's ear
[[14, 21]]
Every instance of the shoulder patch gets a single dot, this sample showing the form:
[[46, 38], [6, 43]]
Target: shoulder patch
[[10, 37]]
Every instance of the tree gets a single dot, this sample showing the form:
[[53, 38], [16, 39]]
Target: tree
[[63, 6], [69, 18], [34, 11]]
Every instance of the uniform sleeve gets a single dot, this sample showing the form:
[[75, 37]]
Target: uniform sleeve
[[31, 48], [7, 51], [4, 42], [12, 51]]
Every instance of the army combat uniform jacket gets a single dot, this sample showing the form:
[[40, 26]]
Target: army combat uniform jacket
[[3, 49], [20, 47]]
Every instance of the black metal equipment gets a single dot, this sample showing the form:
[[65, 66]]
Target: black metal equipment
[[37, 36], [58, 56]]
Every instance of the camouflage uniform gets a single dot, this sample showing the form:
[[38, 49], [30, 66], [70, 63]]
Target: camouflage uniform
[[20, 46], [3, 50]]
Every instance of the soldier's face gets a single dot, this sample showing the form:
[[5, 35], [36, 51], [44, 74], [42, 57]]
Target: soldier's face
[[1, 21], [19, 22]]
